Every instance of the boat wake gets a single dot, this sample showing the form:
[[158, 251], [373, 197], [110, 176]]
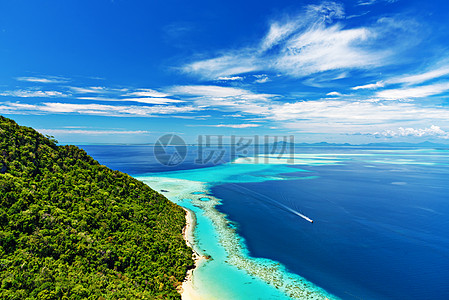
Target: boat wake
[[270, 201]]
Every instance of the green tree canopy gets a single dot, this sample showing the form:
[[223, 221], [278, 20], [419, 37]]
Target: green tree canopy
[[72, 228]]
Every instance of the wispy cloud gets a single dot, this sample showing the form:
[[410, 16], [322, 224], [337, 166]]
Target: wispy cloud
[[422, 77], [371, 2], [233, 63], [225, 98], [114, 110], [334, 94], [33, 93], [369, 86], [89, 90], [95, 109], [90, 132], [341, 114], [306, 44], [338, 116], [261, 78], [147, 100], [98, 90], [366, 2], [412, 79], [216, 91], [326, 48], [230, 78], [147, 93], [414, 92], [161, 105], [319, 116], [140, 95], [46, 79], [236, 125]]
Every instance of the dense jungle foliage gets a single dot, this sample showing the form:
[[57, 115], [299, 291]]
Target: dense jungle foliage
[[72, 228]]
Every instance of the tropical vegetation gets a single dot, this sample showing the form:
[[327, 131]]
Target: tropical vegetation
[[71, 228]]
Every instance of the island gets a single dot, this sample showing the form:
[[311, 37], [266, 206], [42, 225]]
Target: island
[[73, 228]]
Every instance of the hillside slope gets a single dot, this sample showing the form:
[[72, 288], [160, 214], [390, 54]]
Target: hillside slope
[[70, 227]]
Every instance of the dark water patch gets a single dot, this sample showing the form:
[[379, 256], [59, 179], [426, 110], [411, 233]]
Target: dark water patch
[[370, 239]]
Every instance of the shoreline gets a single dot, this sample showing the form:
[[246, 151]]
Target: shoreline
[[187, 289], [247, 277]]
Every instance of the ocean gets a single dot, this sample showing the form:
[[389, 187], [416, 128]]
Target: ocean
[[380, 221]]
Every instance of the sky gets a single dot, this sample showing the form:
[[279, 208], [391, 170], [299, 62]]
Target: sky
[[93, 72]]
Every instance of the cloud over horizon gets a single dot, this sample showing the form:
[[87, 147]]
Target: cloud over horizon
[[320, 69]]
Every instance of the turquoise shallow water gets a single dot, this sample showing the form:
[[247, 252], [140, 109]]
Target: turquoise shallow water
[[231, 273], [214, 278], [233, 173], [218, 280]]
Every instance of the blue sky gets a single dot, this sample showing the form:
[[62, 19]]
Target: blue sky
[[131, 71]]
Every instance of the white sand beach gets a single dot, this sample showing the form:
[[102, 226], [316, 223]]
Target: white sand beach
[[187, 289]]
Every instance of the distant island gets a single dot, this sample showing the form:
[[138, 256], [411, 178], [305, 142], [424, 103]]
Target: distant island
[[70, 227], [425, 144]]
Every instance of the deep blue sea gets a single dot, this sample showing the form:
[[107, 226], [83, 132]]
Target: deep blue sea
[[381, 217]]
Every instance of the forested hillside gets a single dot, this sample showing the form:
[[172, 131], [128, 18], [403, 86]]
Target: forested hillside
[[70, 227]]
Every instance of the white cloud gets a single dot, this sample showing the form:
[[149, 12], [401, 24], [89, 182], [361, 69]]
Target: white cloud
[[50, 79], [218, 92], [208, 90], [433, 131], [279, 32], [371, 2], [113, 110], [326, 48], [422, 77], [366, 2], [329, 116], [327, 11], [99, 90], [95, 109], [89, 90], [411, 79], [414, 92], [147, 93], [148, 96], [192, 117], [233, 78], [147, 100], [338, 116], [224, 66], [262, 78], [89, 132], [303, 45], [408, 79], [33, 93], [369, 86], [234, 116], [225, 98], [319, 116], [236, 125]]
